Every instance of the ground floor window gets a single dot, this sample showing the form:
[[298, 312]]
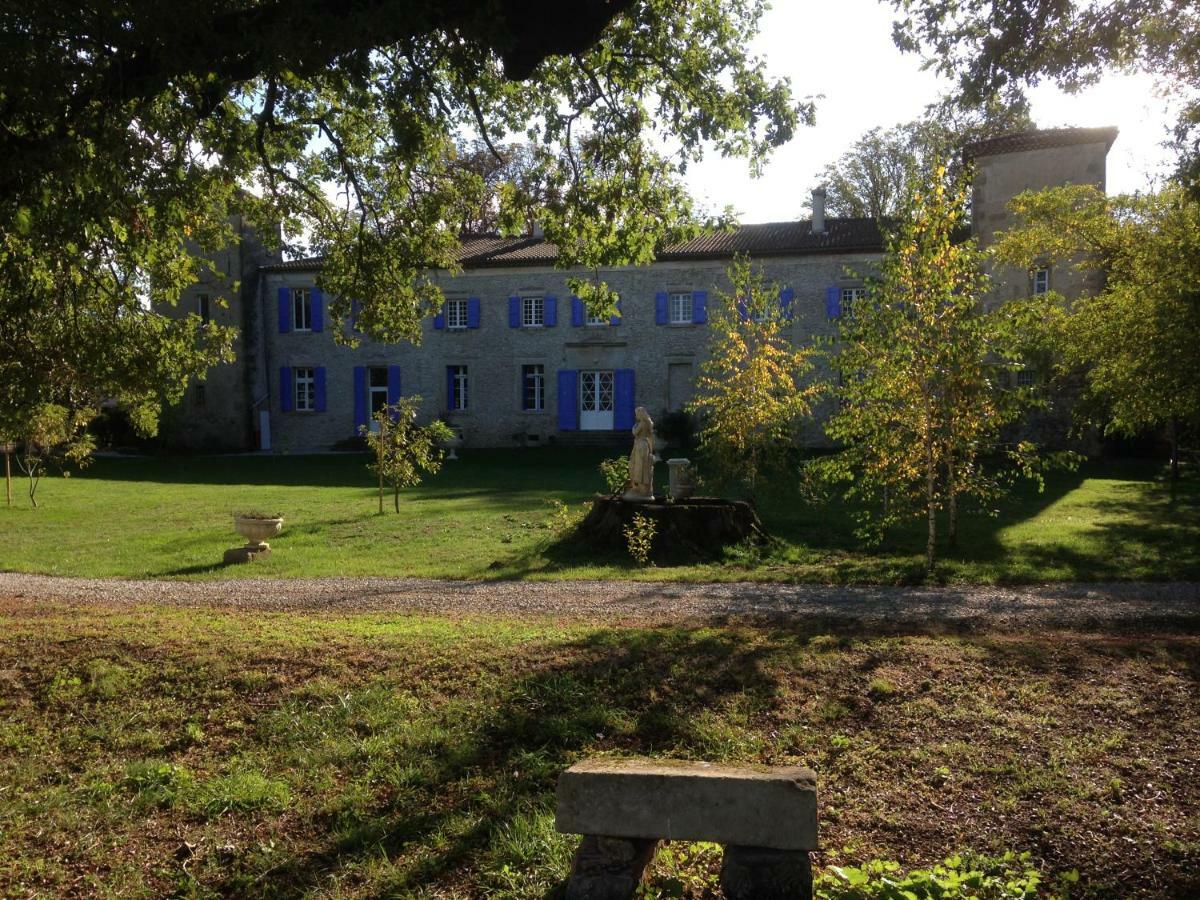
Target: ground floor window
[[457, 384], [377, 393], [306, 389], [198, 395], [533, 388], [850, 294]]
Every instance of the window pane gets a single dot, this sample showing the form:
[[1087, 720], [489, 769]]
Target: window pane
[[301, 309], [456, 313], [532, 311], [681, 308]]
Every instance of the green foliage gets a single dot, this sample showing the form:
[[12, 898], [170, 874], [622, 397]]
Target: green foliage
[[404, 452], [873, 177], [355, 145], [616, 473], [639, 538], [753, 393], [1009, 877], [1133, 342], [923, 391]]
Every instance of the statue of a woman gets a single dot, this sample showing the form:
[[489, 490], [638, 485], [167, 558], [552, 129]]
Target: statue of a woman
[[641, 460]]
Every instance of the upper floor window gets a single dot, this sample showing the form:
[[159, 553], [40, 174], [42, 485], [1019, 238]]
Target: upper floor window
[[533, 312], [681, 307], [1041, 280], [204, 307], [533, 388], [306, 389], [850, 294], [456, 314], [301, 310]]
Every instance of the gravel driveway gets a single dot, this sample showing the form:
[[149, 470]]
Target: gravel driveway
[[1117, 606]]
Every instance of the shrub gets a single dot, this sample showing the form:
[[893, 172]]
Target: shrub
[[639, 538], [677, 428], [1007, 877], [616, 473]]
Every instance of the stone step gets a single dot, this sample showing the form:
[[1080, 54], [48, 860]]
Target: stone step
[[772, 807]]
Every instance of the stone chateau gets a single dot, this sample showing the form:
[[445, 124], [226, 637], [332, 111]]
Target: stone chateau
[[514, 359]]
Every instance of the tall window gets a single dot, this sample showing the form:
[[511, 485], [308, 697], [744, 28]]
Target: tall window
[[681, 308], [204, 307], [306, 389], [850, 294], [456, 314], [458, 387], [377, 392], [1041, 280], [533, 388], [533, 312], [301, 310]]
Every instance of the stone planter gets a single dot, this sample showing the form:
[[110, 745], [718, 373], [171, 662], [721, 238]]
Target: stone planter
[[256, 531], [453, 443]]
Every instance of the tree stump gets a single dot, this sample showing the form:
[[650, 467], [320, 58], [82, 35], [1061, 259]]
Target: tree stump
[[691, 530]]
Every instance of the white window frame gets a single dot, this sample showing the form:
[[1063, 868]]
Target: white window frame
[[301, 309], [852, 293], [456, 314], [204, 307], [372, 390], [304, 389], [533, 375], [461, 385], [1041, 280], [533, 311], [679, 303]]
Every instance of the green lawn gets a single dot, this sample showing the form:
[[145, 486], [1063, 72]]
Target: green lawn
[[489, 516], [156, 751]]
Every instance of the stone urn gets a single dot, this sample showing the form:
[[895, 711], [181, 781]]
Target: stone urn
[[453, 442], [255, 529]]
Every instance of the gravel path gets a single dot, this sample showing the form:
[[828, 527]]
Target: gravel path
[[1116, 607]]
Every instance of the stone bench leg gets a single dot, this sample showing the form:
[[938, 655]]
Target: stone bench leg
[[755, 873], [608, 868]]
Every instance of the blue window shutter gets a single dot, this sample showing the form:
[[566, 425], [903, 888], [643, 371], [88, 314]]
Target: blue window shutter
[[439, 319], [785, 302], [514, 312], [472, 312], [360, 396], [660, 308], [568, 400], [287, 389], [623, 399], [550, 311], [449, 387], [615, 319], [319, 388], [285, 310], [577, 313], [318, 310], [833, 301], [699, 308]]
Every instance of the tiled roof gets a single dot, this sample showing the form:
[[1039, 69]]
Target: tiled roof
[[769, 239], [1040, 139]]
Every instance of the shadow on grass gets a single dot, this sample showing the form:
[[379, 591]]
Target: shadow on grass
[[471, 772]]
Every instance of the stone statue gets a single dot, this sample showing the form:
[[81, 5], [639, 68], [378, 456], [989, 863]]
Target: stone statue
[[640, 487]]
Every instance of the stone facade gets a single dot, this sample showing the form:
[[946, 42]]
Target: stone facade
[[253, 403]]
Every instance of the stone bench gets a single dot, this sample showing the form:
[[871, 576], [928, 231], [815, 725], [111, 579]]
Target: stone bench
[[765, 817]]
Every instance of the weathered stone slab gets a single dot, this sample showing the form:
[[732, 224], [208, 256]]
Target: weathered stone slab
[[771, 807]]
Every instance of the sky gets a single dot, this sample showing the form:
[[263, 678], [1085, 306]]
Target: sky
[[843, 50]]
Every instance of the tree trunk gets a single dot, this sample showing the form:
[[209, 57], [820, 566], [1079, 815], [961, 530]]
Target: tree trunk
[[1174, 449], [8, 477], [379, 464], [396, 496], [930, 505], [952, 504]]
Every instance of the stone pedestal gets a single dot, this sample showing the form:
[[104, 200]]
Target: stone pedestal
[[608, 868], [756, 873], [246, 554], [682, 484]]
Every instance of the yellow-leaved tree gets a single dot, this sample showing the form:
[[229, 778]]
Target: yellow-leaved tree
[[754, 391]]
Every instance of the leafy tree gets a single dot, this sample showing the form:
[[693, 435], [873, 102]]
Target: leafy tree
[[1135, 341], [513, 188], [871, 179], [404, 451], [999, 47], [47, 435], [753, 392], [128, 140], [923, 391]]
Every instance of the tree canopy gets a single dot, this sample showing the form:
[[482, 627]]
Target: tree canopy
[[128, 139], [995, 47]]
